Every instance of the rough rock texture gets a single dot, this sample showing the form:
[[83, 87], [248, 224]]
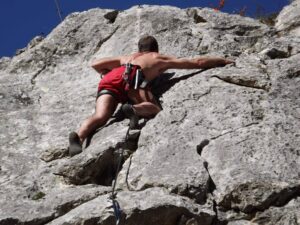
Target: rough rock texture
[[152, 206], [288, 19], [224, 150]]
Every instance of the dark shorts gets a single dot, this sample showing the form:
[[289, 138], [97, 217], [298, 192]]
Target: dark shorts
[[106, 92]]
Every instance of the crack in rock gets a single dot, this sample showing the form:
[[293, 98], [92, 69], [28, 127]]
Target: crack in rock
[[201, 146], [63, 209], [211, 188], [14, 221], [232, 131], [101, 42], [32, 80], [54, 204], [244, 83], [278, 198]]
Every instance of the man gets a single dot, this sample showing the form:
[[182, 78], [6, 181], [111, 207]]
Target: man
[[126, 78]]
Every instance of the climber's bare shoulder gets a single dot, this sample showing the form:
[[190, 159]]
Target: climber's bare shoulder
[[152, 64]]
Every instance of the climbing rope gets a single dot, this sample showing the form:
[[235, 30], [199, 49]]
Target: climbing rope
[[58, 10], [115, 204]]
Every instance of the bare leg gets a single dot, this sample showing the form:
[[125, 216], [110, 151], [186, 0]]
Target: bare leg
[[105, 107], [145, 103], [146, 109]]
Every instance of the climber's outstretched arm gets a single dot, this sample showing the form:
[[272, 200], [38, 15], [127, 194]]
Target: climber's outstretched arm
[[169, 62]]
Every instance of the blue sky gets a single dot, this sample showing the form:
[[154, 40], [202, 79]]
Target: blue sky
[[22, 20]]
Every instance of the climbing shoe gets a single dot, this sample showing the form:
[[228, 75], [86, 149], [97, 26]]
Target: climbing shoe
[[131, 115], [75, 146]]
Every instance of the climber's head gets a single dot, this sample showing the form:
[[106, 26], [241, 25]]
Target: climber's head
[[148, 44]]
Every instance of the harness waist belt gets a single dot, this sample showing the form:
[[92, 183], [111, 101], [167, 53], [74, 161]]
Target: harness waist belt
[[134, 76]]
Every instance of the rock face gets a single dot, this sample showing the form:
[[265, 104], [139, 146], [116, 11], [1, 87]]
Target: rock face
[[288, 19], [224, 150]]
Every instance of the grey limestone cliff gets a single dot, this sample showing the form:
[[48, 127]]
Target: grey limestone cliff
[[224, 149]]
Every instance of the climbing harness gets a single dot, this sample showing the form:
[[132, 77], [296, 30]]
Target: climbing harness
[[115, 203], [134, 76]]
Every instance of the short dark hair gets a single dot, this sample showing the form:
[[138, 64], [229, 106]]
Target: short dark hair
[[148, 44]]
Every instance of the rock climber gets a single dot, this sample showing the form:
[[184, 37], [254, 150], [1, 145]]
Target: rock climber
[[127, 78]]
